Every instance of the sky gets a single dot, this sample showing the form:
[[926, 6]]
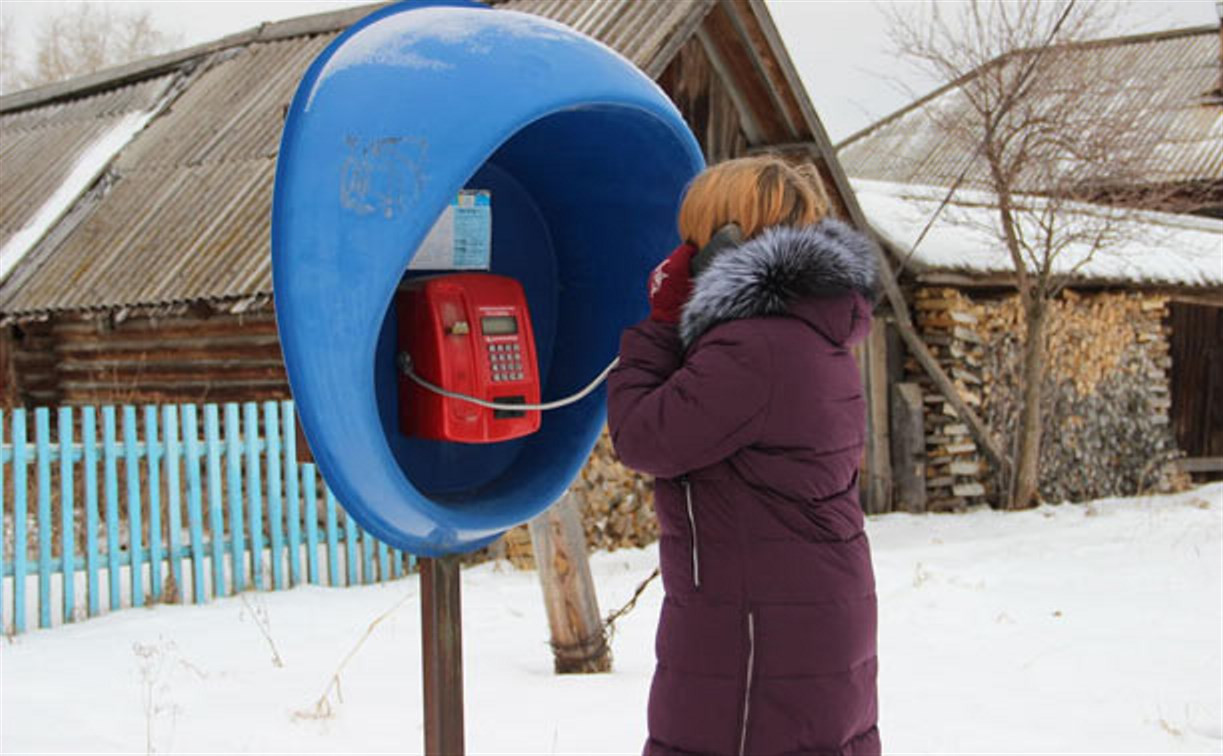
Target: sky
[[838, 46]]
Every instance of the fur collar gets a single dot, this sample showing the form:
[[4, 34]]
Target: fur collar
[[777, 268]]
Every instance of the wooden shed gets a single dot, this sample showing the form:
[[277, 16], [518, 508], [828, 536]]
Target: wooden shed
[[1135, 350]]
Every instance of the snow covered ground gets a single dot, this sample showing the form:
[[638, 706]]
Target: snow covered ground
[[1076, 628]]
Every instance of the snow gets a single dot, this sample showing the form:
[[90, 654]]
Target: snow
[[88, 166], [1150, 247], [1073, 628]]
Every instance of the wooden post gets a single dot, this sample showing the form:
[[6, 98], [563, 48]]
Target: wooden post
[[579, 643], [442, 643], [908, 448], [878, 493]]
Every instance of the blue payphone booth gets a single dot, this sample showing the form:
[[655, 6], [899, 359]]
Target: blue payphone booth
[[583, 160]]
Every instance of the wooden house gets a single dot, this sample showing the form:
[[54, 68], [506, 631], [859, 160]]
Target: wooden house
[[1136, 346]]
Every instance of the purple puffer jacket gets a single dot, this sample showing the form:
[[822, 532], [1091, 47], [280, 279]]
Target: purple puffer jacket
[[751, 417]]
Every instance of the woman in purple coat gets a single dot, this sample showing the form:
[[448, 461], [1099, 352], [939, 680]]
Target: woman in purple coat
[[740, 395]]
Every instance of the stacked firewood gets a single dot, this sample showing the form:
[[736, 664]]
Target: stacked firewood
[[617, 504], [1105, 397], [1090, 337], [617, 507], [516, 547], [955, 471]]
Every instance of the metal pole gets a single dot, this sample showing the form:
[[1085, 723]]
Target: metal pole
[[442, 636]]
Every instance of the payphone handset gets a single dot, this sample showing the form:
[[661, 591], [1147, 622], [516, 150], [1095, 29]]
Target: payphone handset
[[469, 335]]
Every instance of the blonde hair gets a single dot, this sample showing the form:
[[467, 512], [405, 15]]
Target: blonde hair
[[754, 192]]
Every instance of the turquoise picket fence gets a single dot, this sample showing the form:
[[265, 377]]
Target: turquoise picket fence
[[255, 517]]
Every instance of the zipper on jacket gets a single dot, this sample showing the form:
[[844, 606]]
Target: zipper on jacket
[[747, 688], [696, 560]]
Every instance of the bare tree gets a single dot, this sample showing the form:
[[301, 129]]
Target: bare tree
[[1045, 135], [80, 39]]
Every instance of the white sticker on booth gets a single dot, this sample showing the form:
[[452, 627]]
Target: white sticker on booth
[[461, 239]]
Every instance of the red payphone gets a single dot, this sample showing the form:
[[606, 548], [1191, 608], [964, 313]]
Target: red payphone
[[468, 334]]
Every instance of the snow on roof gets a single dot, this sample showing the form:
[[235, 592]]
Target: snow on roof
[[88, 166], [1146, 247]]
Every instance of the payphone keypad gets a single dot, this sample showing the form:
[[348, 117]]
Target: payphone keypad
[[505, 361]]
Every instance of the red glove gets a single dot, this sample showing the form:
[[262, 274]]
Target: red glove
[[671, 284]]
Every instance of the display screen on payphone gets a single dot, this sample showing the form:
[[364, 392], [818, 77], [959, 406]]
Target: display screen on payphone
[[497, 326]]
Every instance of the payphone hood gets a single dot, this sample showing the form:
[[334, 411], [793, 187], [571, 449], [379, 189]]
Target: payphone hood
[[825, 274]]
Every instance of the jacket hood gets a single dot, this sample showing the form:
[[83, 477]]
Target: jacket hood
[[805, 272]]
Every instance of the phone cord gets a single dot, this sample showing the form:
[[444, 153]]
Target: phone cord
[[405, 367]]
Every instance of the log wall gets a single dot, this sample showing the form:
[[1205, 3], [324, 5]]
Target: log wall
[[191, 358], [8, 372]]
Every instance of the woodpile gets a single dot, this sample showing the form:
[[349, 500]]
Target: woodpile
[[617, 508], [516, 547], [617, 504], [1105, 396], [948, 321], [1105, 400]]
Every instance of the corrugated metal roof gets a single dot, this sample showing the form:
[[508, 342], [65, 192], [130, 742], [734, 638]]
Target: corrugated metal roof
[[40, 146], [235, 112], [1161, 83], [637, 30], [186, 217]]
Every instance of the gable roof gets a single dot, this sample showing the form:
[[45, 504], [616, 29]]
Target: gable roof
[[1182, 108], [178, 213], [902, 166]]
